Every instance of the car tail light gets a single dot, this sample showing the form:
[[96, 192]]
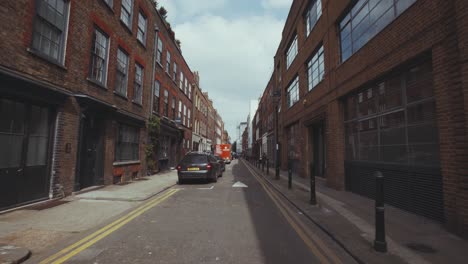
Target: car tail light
[[209, 166]]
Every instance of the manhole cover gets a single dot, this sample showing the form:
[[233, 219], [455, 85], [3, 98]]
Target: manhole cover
[[421, 248]]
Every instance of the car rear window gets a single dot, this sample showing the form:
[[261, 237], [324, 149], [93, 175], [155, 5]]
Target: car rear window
[[195, 159]]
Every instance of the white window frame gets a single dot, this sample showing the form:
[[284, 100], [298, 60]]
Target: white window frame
[[142, 28], [124, 12], [315, 69], [96, 34], [123, 71], [292, 93], [292, 52]]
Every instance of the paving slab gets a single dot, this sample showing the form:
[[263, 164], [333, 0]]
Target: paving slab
[[10, 254], [134, 191]]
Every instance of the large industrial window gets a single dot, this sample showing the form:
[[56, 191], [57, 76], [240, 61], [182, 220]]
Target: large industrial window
[[49, 29], [365, 19], [291, 53], [293, 92], [394, 120], [127, 144], [315, 69], [314, 11]]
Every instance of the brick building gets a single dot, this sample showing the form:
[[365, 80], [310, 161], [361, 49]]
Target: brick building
[[77, 81], [379, 85], [200, 118], [172, 98]]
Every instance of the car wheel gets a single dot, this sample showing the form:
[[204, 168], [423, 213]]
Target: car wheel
[[215, 178]]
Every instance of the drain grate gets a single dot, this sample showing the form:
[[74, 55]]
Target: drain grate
[[421, 248]]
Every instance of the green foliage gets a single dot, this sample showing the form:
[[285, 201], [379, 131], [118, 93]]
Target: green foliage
[[153, 127]]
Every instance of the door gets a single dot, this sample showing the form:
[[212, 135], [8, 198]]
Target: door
[[24, 153], [91, 152], [318, 148]]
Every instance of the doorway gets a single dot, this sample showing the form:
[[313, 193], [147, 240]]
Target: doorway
[[25, 133], [91, 150], [318, 147]]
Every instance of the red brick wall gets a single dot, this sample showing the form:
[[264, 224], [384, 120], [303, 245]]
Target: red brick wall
[[430, 28]]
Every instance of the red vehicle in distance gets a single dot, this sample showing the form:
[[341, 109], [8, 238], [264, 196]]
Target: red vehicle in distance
[[224, 151]]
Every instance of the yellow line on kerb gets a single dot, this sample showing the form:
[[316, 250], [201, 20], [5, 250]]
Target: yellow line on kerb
[[314, 243], [86, 242]]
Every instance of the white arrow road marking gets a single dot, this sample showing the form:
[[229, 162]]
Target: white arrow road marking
[[239, 185], [211, 188]]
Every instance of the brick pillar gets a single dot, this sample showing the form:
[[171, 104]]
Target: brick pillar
[[451, 119], [67, 126], [335, 146]]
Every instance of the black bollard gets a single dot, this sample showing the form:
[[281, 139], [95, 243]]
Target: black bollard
[[313, 198], [380, 244], [289, 174], [268, 167], [263, 165]]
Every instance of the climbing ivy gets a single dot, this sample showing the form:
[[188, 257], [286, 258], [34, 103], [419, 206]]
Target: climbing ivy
[[153, 128]]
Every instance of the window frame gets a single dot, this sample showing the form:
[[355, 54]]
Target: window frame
[[63, 32], [127, 12], [134, 144], [138, 83], [125, 74], [157, 96], [313, 64], [168, 62], [309, 25], [293, 47], [93, 54], [294, 85], [159, 51], [142, 31]]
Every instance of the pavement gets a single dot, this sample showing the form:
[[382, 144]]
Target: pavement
[[32, 229], [349, 218]]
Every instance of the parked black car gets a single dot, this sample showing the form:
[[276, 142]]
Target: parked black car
[[199, 165], [222, 162]]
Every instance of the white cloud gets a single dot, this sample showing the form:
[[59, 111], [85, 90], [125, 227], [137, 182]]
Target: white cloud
[[234, 58], [183, 9], [276, 4]]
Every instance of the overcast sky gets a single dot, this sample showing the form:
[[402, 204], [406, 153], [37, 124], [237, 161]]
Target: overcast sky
[[231, 43]]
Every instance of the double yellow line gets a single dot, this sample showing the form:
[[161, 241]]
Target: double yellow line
[[72, 250], [314, 243]]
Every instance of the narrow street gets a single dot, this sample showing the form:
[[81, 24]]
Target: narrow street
[[207, 223]]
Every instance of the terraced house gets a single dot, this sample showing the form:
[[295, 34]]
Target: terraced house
[[78, 82], [378, 86]]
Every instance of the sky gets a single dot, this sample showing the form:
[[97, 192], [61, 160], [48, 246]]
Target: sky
[[231, 43]]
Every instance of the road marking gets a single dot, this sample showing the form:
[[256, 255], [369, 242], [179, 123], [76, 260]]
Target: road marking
[[211, 188], [314, 243], [91, 239], [239, 185]]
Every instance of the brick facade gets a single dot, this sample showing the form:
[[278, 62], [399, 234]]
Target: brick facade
[[427, 30], [77, 102]]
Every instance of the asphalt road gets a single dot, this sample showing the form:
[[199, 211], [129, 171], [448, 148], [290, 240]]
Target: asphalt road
[[209, 223]]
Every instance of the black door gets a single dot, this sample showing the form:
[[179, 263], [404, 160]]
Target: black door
[[24, 152], [91, 152], [318, 148]]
